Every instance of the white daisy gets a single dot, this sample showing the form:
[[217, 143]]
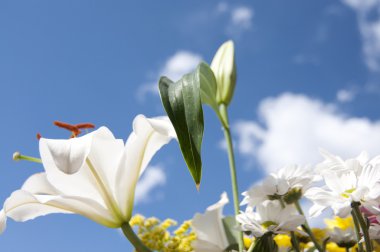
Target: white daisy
[[350, 181], [290, 181], [270, 216]]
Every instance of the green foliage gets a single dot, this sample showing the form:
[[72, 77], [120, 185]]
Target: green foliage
[[182, 102]]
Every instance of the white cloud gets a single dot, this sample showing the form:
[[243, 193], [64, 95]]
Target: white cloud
[[370, 30], [153, 177], [240, 20], [296, 126], [242, 17], [182, 62], [345, 95]]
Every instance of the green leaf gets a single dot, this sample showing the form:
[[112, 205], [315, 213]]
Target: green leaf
[[232, 233], [208, 86], [182, 102]]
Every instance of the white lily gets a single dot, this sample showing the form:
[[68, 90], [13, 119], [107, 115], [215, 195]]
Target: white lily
[[94, 175], [209, 228], [346, 182], [270, 216]]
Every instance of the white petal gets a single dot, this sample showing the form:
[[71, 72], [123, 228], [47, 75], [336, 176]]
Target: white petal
[[205, 246], [220, 204], [100, 148], [106, 155], [38, 184], [359, 194], [292, 222], [322, 197], [38, 198], [316, 210], [23, 206], [342, 209], [249, 222], [362, 158], [334, 182], [3, 221], [148, 136], [68, 156], [209, 226]]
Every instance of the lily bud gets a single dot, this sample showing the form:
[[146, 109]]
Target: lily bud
[[224, 68]]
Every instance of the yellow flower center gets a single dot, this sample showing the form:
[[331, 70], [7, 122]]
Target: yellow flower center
[[267, 224], [347, 193]]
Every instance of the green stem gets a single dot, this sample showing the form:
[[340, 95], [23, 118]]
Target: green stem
[[363, 225], [357, 230], [347, 249], [295, 242], [231, 158], [133, 238], [307, 228]]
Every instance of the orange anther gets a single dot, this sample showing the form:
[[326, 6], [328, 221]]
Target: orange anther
[[75, 129], [85, 126], [67, 126], [39, 136]]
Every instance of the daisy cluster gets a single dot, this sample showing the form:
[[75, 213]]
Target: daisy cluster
[[274, 219]]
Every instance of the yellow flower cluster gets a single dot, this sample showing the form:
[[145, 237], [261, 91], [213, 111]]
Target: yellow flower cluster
[[156, 236], [283, 240], [341, 223]]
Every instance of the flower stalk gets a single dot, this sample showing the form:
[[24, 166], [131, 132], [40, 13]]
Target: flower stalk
[[231, 158], [133, 238], [295, 243], [307, 228], [363, 225], [357, 230]]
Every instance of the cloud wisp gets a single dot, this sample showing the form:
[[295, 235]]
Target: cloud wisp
[[240, 19], [154, 177], [369, 29]]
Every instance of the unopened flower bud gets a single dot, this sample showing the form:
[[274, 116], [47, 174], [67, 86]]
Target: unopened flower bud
[[223, 66]]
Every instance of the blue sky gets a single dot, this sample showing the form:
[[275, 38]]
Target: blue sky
[[308, 77]]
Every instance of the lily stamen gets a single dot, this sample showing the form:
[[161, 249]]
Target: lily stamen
[[85, 126], [75, 129], [17, 157]]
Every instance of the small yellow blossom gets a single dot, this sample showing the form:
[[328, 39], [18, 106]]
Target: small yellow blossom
[[333, 247], [156, 236], [342, 223], [247, 242], [283, 241]]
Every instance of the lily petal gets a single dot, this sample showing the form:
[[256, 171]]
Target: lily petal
[[38, 198], [98, 147], [209, 226], [148, 136]]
